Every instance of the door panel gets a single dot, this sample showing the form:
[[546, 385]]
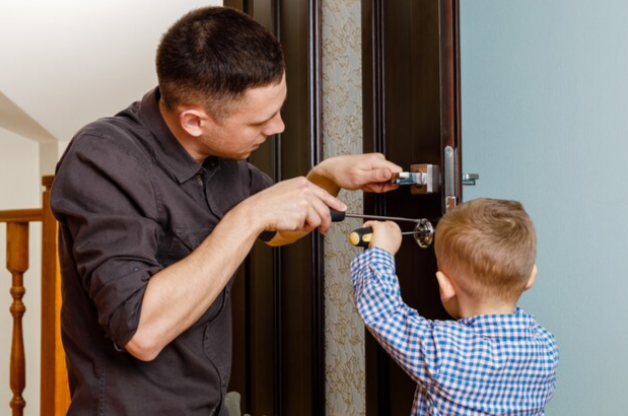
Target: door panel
[[410, 73], [278, 295]]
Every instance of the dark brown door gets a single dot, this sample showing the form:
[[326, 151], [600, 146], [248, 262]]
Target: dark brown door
[[411, 114], [278, 363]]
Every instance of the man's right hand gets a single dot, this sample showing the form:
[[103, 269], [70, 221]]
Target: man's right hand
[[295, 205]]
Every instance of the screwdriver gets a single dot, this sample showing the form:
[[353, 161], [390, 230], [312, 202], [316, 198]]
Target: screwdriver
[[423, 231]]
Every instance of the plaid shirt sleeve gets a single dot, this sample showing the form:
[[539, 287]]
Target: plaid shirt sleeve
[[400, 329]]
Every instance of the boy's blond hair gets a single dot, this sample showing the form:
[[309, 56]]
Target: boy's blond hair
[[488, 246]]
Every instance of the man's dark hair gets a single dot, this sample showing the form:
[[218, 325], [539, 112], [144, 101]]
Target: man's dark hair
[[212, 55]]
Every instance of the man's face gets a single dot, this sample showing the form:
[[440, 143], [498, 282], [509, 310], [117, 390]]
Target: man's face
[[247, 124]]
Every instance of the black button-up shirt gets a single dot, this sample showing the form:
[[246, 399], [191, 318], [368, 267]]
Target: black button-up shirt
[[131, 201]]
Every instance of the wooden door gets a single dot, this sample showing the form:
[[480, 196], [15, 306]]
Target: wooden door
[[278, 363], [411, 114]]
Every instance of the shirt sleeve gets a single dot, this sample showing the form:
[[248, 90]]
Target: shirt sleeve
[[400, 330], [105, 202], [258, 181]]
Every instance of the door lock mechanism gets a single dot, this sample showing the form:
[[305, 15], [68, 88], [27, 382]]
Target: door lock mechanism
[[423, 178]]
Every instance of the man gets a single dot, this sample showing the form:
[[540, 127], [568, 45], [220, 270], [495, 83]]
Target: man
[[158, 207]]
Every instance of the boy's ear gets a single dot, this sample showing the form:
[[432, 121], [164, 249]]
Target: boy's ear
[[532, 279], [447, 289], [192, 121]]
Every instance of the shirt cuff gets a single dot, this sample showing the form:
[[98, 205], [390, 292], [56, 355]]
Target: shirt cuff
[[374, 255], [372, 263]]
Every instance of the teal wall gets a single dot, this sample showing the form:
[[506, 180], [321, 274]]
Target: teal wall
[[545, 121]]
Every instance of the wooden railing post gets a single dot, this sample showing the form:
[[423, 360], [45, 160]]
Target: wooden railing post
[[17, 264], [55, 394]]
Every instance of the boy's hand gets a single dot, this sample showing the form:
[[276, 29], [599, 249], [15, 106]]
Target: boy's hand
[[386, 235]]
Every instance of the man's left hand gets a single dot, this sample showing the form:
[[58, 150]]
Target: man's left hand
[[369, 172]]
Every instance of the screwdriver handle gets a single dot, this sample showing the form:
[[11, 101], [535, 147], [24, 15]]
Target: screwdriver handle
[[361, 237], [336, 216]]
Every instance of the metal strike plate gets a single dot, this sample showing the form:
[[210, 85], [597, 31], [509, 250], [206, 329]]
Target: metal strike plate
[[449, 185], [469, 179], [430, 179]]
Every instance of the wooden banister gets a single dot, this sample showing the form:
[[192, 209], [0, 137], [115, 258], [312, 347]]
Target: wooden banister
[[17, 264], [21, 215], [55, 396]]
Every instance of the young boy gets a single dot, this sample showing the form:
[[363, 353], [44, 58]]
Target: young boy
[[494, 359]]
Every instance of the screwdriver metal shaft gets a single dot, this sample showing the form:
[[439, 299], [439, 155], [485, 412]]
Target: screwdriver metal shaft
[[339, 216], [378, 217]]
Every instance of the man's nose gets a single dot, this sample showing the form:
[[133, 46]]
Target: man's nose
[[275, 126]]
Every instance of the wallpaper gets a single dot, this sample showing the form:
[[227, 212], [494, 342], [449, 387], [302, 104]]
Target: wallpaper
[[342, 134]]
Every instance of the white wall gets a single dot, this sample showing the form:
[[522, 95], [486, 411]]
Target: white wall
[[68, 62], [545, 121], [19, 188], [64, 64]]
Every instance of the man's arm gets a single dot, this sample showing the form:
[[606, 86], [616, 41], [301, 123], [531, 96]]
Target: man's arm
[[114, 228], [292, 208], [142, 305], [178, 295]]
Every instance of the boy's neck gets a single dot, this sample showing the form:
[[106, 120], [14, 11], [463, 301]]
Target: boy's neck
[[468, 309]]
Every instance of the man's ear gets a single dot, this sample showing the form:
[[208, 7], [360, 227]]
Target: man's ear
[[193, 120], [447, 289], [532, 278]]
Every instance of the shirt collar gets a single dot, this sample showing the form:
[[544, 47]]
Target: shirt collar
[[515, 325], [172, 154]]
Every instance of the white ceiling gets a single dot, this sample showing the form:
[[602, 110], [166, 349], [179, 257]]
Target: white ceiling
[[65, 63]]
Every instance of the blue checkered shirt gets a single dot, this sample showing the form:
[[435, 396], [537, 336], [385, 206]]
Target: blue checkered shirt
[[481, 365]]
